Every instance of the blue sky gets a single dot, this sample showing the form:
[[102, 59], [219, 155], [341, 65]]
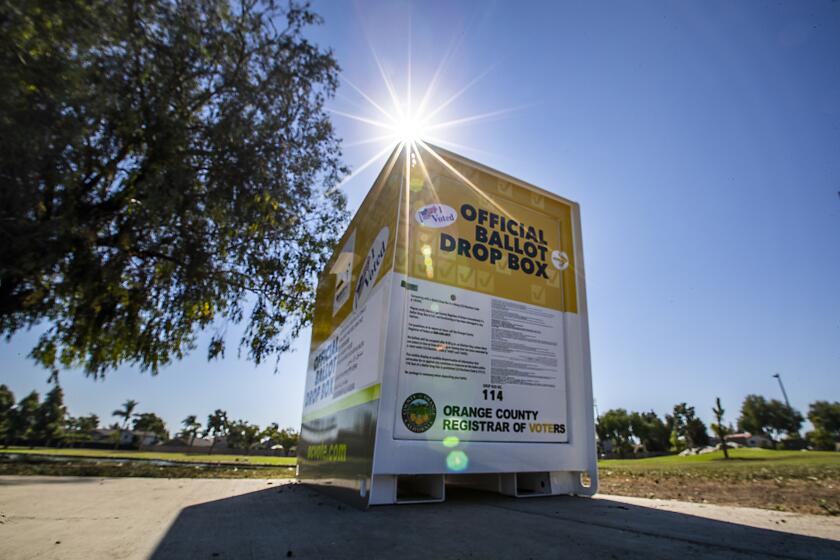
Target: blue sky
[[702, 142]]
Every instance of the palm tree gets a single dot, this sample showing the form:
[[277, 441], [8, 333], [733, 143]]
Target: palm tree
[[217, 425], [125, 413], [191, 427]]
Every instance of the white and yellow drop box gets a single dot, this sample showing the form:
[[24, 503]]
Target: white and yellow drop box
[[450, 342]]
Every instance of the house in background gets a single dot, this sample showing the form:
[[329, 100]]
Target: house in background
[[181, 444], [126, 437], [746, 439], [184, 441], [107, 435], [144, 438]]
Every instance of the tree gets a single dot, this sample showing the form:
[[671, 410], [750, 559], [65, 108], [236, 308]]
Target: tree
[[676, 427], [755, 415], [150, 422], [191, 427], [22, 421], [49, 418], [695, 432], [7, 404], [242, 435], [78, 429], [217, 426], [650, 430], [718, 427], [87, 423], [164, 167], [687, 430], [125, 413], [272, 435], [760, 416], [784, 419], [289, 439], [614, 426], [825, 416], [822, 440]]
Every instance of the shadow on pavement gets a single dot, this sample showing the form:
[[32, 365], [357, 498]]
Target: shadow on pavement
[[296, 521]]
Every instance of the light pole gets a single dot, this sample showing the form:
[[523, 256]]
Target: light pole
[[778, 376]]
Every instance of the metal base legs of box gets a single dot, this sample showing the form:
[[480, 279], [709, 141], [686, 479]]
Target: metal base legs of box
[[426, 488]]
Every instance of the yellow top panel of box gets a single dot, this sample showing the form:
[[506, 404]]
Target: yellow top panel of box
[[434, 215], [473, 228]]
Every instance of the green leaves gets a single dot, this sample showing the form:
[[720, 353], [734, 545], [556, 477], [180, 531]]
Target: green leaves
[[651, 431], [126, 411], [760, 416], [614, 426], [825, 416], [151, 422], [164, 169]]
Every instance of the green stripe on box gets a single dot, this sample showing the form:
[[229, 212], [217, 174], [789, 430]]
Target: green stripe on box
[[359, 397]]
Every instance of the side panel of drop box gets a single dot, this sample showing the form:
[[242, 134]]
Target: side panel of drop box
[[343, 380]]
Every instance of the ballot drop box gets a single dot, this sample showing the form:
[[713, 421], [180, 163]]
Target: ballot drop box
[[450, 343]]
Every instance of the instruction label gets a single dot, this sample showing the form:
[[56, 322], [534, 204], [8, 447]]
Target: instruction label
[[480, 368], [348, 360]]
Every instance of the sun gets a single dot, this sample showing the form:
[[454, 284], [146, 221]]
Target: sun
[[409, 130], [399, 122]]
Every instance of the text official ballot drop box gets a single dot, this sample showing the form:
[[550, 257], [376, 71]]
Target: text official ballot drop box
[[450, 341]]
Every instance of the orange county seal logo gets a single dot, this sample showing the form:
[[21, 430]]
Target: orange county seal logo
[[419, 412]]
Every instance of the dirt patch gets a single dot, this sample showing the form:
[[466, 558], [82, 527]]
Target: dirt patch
[[815, 495]]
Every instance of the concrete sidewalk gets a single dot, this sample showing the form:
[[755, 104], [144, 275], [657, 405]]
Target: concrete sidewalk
[[52, 517]]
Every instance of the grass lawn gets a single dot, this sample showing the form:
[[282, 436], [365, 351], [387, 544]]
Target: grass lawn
[[154, 455], [742, 462], [801, 481]]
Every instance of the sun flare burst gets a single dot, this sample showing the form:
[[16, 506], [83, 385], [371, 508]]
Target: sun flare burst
[[399, 122]]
